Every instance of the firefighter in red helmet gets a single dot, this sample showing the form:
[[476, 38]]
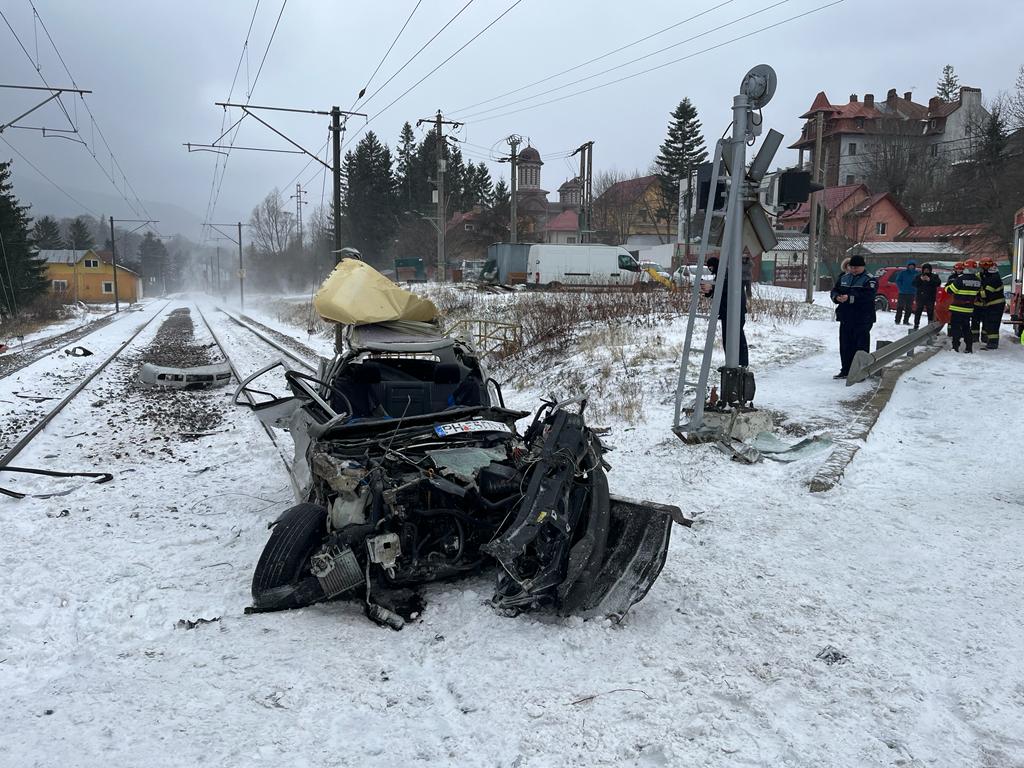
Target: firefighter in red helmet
[[963, 286], [992, 299], [971, 266]]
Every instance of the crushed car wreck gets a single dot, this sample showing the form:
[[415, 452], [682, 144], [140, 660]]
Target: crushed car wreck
[[412, 470]]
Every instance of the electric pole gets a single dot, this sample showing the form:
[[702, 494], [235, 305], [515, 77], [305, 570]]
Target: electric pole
[[337, 129], [113, 250], [299, 202], [241, 266], [442, 217], [813, 235], [586, 153], [513, 142]]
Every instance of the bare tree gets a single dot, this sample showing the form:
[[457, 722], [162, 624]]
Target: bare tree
[[615, 205], [272, 232]]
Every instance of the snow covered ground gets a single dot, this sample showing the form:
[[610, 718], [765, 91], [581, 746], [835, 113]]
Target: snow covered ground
[[909, 572]]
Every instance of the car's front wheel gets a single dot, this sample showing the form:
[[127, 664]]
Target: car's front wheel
[[282, 579]]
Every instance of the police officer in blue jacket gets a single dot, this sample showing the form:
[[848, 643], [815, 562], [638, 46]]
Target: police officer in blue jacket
[[854, 296]]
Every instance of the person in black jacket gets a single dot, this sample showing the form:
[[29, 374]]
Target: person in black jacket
[[992, 298], [854, 295], [723, 313], [927, 285]]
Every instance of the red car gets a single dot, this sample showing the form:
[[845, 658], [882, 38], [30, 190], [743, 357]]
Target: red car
[[887, 292]]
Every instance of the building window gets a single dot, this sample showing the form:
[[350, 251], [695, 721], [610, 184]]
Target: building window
[[853, 148], [860, 122], [108, 286], [570, 240], [468, 227], [92, 263], [59, 286], [849, 180], [934, 150], [879, 227]]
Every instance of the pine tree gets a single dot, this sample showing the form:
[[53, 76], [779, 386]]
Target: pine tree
[[406, 155], [479, 187], [80, 236], [680, 154], [153, 262], [22, 272], [948, 88], [46, 234], [370, 206]]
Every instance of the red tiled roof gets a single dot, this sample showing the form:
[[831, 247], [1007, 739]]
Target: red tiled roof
[[566, 221], [821, 104], [831, 198]]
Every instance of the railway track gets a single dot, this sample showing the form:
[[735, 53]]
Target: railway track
[[16, 360], [40, 424]]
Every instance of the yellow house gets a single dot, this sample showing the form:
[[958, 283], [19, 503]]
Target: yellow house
[[89, 276]]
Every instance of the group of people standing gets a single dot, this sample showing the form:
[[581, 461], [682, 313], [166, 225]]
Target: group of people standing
[[978, 301], [976, 308]]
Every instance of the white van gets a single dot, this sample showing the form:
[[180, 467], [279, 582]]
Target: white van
[[589, 265]]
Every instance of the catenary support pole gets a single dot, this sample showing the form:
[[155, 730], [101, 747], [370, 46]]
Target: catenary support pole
[[241, 271], [113, 261], [336, 180]]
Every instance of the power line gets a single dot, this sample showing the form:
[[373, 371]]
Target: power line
[[61, 189], [421, 49], [418, 82], [252, 87], [596, 58], [243, 54], [628, 63], [663, 65], [94, 124], [387, 53]]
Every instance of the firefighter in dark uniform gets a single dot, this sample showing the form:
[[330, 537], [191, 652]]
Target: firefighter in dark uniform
[[963, 287], [971, 267], [993, 301], [854, 296]]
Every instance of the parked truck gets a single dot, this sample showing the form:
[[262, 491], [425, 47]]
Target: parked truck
[[542, 264]]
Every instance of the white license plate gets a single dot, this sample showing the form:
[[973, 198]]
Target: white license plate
[[477, 425]]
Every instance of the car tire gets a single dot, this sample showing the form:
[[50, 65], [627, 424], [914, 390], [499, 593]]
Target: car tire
[[881, 303], [282, 579]]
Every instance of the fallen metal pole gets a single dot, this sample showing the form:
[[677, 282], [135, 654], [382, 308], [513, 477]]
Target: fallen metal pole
[[866, 363]]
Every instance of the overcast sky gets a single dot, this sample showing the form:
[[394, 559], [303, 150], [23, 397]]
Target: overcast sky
[[156, 69]]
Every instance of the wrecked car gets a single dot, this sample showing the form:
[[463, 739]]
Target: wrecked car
[[410, 469]]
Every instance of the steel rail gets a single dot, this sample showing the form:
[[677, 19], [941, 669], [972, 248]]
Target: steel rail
[[276, 345], [248, 396], [57, 340], [41, 425]]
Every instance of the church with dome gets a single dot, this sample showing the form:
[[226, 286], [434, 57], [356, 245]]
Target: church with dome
[[541, 220]]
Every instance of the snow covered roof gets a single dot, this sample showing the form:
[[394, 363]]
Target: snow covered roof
[[64, 256], [887, 248], [798, 243]]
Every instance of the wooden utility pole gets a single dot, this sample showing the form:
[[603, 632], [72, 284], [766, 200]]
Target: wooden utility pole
[[442, 218], [812, 237]]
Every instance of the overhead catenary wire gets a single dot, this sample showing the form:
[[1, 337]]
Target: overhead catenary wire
[[388, 53], [415, 85], [417, 53], [609, 70], [57, 186], [211, 209], [660, 66], [94, 123], [369, 98], [621, 48]]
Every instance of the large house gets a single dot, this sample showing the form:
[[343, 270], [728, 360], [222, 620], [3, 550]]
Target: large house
[[89, 276], [632, 213], [858, 135]]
